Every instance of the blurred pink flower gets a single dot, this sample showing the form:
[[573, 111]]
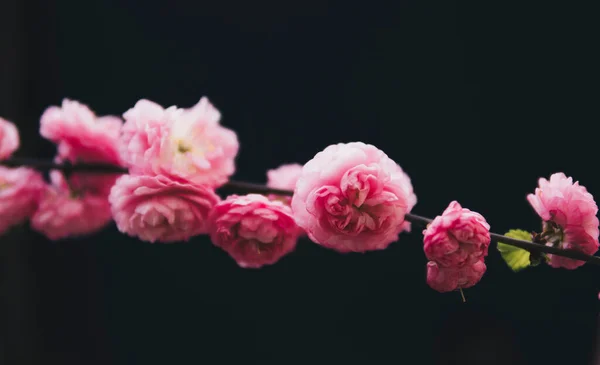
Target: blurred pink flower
[[253, 230], [458, 237], [20, 190], [159, 209], [64, 212], [85, 136], [9, 139], [81, 136], [351, 197], [569, 214], [187, 144], [445, 279], [284, 177]]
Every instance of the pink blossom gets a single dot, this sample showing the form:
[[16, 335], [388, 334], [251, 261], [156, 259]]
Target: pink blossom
[[351, 197], [64, 212], [187, 144], [445, 279], [159, 209], [20, 190], [458, 237], [284, 177], [83, 137], [86, 137], [253, 230], [569, 214], [9, 139]]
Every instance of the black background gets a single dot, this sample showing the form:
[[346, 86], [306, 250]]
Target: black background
[[474, 101]]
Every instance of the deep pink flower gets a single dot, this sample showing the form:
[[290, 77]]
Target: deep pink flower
[[351, 197], [20, 190], [569, 214], [81, 136], [159, 209], [9, 139], [253, 230], [445, 279], [458, 237], [187, 144], [63, 212], [284, 177]]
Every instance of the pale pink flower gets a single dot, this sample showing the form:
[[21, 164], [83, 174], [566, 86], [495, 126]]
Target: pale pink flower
[[63, 212], [160, 209], [284, 177], [83, 137], [253, 230], [569, 214], [20, 190], [9, 139], [445, 279], [457, 237], [187, 144], [351, 197]]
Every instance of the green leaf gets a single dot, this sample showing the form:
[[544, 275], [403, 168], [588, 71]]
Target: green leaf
[[516, 258]]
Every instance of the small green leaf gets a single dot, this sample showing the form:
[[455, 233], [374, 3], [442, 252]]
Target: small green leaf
[[516, 258]]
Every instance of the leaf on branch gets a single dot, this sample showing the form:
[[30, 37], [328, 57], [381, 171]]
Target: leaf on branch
[[516, 258]]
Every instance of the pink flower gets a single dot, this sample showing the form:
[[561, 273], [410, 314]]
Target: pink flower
[[351, 197], [445, 279], [569, 214], [458, 237], [187, 144], [253, 230], [284, 177], [9, 139], [63, 212], [83, 137], [159, 209], [20, 189]]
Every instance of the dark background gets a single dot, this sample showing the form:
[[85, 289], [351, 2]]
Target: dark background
[[474, 101]]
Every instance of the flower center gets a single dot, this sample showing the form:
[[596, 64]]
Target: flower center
[[553, 233], [4, 184], [182, 147]]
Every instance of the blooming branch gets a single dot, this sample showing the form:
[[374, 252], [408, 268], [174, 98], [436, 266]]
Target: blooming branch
[[156, 171], [253, 188]]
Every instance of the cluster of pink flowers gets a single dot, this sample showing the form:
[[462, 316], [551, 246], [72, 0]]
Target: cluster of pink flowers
[[456, 243], [351, 197], [176, 158]]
